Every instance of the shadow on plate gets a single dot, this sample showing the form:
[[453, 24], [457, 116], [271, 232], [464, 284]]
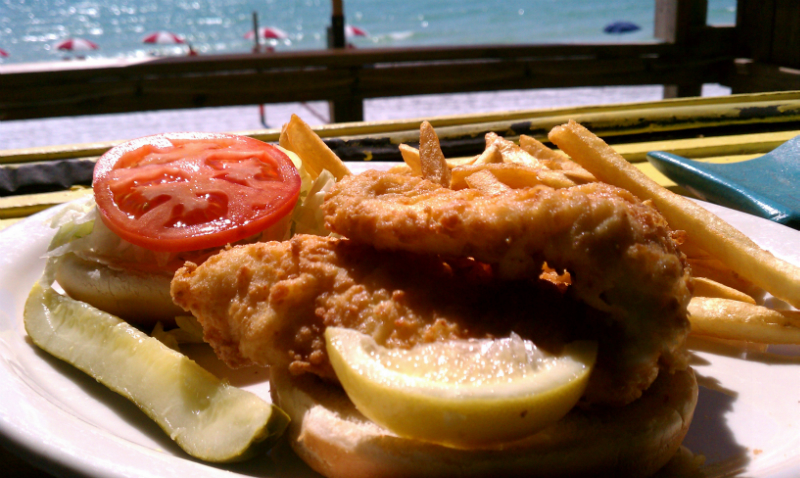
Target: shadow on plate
[[710, 433]]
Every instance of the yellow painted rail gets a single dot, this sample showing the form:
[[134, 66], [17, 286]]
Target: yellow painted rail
[[719, 129]]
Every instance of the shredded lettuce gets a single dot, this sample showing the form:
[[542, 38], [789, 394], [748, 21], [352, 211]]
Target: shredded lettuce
[[99, 243], [305, 177], [74, 221], [307, 217]]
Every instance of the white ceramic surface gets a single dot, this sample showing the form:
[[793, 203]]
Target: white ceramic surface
[[747, 421]]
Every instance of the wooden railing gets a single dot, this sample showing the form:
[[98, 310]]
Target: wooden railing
[[688, 54], [351, 75]]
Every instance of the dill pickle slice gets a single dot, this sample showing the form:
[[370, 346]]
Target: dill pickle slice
[[208, 418]]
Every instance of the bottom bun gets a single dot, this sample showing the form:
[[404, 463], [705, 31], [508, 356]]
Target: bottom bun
[[138, 297], [329, 434]]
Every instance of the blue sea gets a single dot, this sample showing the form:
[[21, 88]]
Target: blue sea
[[29, 29]]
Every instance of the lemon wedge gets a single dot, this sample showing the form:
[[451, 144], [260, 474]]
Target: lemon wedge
[[463, 393], [208, 418]]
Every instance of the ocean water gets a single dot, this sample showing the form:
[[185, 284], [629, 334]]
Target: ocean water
[[29, 29]]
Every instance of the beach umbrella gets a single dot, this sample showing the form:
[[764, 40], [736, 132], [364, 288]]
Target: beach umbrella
[[3, 53], [163, 38], [76, 44], [268, 33], [621, 27], [353, 31]]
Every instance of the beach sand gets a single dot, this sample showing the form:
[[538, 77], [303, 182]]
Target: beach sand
[[86, 129]]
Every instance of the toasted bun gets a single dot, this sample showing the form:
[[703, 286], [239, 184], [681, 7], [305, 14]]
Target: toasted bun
[[138, 297], [329, 434]]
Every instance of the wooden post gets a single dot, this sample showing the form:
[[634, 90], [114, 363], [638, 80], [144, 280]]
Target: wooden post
[[348, 108], [768, 39], [785, 49], [755, 26], [256, 39], [679, 22], [337, 25]]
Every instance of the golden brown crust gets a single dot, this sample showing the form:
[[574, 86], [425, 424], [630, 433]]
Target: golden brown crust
[[636, 440], [271, 302], [617, 249]]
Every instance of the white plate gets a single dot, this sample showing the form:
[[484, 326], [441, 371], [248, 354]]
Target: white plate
[[747, 421]]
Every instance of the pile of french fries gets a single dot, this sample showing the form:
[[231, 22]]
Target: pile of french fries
[[730, 273]]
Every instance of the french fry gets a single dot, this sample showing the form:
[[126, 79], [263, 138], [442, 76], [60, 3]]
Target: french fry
[[411, 157], [731, 319], [465, 161], [705, 266], [511, 152], [299, 138], [539, 150], [432, 163], [490, 155], [708, 231], [704, 287], [486, 182], [513, 175], [691, 250], [713, 269], [555, 160]]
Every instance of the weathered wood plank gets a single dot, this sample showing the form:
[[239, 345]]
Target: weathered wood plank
[[754, 21], [662, 119], [786, 34], [74, 71], [143, 94], [719, 146], [191, 82], [25, 205], [753, 76], [761, 108], [680, 21]]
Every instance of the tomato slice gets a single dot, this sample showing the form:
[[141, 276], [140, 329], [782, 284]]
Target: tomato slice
[[189, 191]]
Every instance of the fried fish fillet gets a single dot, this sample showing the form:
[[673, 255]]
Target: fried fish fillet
[[270, 303], [617, 249]]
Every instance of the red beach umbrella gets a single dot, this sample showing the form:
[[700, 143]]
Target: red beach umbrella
[[269, 33], [76, 44], [353, 31], [3, 53], [163, 38]]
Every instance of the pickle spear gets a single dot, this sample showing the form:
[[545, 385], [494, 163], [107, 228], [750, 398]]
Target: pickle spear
[[208, 418]]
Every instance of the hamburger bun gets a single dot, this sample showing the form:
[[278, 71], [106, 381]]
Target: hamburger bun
[[329, 434], [138, 297]]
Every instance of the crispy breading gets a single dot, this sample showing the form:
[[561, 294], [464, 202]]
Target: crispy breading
[[427, 263], [617, 249], [269, 303]]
